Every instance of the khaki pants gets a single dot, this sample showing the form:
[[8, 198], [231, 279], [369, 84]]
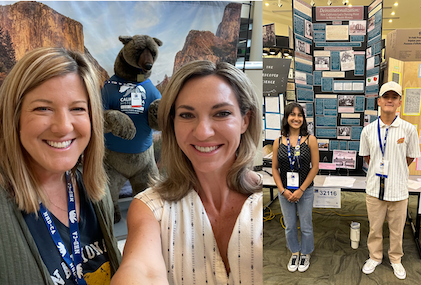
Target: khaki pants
[[395, 214]]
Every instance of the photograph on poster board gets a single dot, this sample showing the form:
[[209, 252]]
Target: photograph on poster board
[[357, 27], [346, 103], [370, 63], [343, 133], [345, 159], [269, 38], [369, 118], [304, 105], [323, 144], [337, 33], [308, 29], [372, 80], [322, 63], [291, 95], [302, 46], [347, 60], [396, 77], [371, 24], [412, 102], [369, 52], [366, 120], [310, 126], [300, 77]]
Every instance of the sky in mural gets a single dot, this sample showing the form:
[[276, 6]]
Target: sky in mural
[[170, 21]]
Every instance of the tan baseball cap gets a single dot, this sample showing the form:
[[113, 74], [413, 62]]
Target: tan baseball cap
[[391, 86]]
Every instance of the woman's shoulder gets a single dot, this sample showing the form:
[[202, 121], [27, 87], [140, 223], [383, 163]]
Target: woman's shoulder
[[153, 201], [148, 195], [312, 139]]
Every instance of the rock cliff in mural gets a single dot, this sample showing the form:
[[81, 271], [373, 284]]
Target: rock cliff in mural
[[204, 45], [30, 25]]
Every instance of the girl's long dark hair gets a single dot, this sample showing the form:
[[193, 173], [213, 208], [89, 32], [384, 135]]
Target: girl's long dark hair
[[288, 110]]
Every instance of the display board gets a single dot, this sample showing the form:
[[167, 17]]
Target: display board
[[408, 74], [337, 74], [275, 79]]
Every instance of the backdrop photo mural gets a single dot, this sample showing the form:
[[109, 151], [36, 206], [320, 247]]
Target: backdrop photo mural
[[189, 31]]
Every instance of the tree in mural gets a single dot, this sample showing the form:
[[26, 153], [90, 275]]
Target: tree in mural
[[7, 54]]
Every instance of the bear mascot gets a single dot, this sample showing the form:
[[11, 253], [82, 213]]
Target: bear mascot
[[130, 113]]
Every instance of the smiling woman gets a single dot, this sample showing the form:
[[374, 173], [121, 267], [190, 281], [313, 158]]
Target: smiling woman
[[208, 123], [51, 123], [55, 130], [294, 165], [191, 226]]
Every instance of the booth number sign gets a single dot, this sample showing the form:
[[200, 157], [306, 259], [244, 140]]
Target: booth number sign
[[327, 198]]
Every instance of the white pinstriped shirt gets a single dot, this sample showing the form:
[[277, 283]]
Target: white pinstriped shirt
[[402, 142], [189, 247]]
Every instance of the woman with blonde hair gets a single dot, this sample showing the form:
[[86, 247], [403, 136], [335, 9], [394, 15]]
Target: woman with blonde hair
[[57, 225], [202, 223]]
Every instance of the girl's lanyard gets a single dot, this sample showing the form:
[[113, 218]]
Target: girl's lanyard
[[292, 178], [382, 169], [75, 265], [296, 157]]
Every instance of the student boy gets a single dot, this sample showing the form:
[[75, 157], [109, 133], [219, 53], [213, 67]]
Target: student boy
[[388, 145]]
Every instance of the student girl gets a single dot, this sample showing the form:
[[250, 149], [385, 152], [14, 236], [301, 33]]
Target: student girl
[[295, 163]]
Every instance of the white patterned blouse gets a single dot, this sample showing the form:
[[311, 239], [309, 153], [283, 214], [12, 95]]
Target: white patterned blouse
[[189, 247]]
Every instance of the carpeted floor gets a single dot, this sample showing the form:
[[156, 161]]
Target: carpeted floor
[[333, 260]]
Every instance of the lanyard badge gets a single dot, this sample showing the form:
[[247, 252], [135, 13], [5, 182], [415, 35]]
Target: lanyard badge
[[74, 264], [293, 178], [382, 167]]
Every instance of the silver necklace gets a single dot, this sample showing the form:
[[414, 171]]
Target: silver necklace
[[57, 206]]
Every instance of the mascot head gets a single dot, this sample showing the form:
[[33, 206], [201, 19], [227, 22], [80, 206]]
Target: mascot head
[[137, 57]]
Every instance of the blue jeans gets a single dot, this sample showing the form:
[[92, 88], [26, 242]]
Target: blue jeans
[[304, 207]]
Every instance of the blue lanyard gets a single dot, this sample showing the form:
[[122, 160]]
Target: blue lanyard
[[74, 235], [383, 146], [293, 159]]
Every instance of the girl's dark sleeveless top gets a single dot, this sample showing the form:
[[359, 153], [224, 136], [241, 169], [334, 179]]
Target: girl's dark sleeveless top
[[302, 168]]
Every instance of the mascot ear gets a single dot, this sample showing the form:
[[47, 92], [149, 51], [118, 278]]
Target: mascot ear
[[158, 42], [125, 39]]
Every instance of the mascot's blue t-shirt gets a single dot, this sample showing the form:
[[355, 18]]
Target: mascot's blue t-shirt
[[133, 99]]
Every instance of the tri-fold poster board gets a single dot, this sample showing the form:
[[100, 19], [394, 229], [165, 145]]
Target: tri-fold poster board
[[337, 73]]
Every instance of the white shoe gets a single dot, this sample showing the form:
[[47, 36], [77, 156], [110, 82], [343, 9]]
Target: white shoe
[[304, 262], [293, 263], [369, 266], [399, 270]]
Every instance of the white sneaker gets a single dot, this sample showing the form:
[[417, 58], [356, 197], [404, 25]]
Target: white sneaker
[[399, 270], [304, 262], [369, 266], [293, 263]]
